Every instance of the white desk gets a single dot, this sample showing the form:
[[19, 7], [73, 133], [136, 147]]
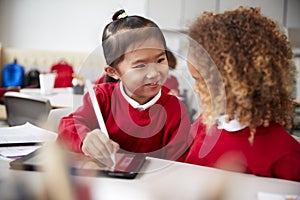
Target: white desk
[[161, 179], [61, 97]]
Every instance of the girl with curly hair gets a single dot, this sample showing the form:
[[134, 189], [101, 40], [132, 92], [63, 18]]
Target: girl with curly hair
[[242, 65]]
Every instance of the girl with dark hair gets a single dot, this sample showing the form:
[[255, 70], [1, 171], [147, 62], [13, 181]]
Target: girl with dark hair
[[139, 115]]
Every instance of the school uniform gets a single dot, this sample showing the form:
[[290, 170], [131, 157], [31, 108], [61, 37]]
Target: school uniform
[[159, 128], [274, 152], [172, 84]]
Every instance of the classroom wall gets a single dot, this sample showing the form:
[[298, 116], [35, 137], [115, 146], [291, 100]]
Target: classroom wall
[[76, 25], [64, 25]]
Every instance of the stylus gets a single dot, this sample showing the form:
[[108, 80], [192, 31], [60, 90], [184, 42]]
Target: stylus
[[98, 114]]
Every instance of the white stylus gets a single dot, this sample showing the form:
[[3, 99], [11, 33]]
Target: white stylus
[[98, 113]]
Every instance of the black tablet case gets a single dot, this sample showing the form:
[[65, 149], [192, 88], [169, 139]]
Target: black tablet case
[[128, 165]]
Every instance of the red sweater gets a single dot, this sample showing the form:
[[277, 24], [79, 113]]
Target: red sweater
[[160, 130], [274, 153]]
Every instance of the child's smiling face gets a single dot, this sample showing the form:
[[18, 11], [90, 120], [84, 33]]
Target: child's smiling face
[[143, 70]]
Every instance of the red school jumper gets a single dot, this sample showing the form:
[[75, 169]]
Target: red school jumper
[[274, 153], [161, 130]]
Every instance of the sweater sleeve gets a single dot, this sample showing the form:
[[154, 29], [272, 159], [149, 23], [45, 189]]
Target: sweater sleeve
[[288, 167], [73, 128]]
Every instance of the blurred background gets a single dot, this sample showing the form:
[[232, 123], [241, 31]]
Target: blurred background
[[77, 25]]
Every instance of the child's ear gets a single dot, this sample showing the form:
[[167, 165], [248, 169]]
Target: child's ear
[[112, 72]]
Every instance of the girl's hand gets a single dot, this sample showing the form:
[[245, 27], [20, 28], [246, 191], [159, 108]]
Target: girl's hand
[[97, 145]]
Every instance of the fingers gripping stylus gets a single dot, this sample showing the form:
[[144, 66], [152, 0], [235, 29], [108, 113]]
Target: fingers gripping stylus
[[98, 113]]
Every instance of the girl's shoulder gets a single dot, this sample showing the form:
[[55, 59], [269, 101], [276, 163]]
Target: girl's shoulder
[[105, 91], [108, 87], [276, 131]]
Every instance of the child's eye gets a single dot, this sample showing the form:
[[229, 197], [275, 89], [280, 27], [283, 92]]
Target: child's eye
[[161, 60], [140, 66]]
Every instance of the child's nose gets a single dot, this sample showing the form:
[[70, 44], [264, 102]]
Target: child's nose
[[152, 73]]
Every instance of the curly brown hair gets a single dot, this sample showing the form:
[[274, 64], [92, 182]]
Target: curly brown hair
[[254, 60]]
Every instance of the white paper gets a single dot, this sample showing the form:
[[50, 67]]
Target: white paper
[[26, 133], [14, 152]]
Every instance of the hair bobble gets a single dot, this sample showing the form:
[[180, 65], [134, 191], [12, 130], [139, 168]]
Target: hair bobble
[[121, 14]]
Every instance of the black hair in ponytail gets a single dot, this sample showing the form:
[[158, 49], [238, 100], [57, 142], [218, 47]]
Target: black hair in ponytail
[[124, 31]]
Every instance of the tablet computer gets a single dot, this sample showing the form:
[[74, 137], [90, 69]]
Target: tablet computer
[[127, 165]]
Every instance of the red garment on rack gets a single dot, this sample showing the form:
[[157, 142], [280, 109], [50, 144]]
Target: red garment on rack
[[64, 74]]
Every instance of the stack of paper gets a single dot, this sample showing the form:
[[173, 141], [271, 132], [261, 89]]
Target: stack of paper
[[20, 140]]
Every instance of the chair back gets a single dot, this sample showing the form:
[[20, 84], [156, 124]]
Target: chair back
[[55, 116], [22, 108]]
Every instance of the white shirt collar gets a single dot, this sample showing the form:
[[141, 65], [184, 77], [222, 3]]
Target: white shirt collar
[[135, 104], [230, 126]]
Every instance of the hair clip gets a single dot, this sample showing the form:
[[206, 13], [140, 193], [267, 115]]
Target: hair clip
[[123, 15]]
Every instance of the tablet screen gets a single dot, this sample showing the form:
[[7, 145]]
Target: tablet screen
[[123, 162]]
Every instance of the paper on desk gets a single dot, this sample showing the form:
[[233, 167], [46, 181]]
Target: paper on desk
[[271, 196], [26, 133], [15, 152]]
